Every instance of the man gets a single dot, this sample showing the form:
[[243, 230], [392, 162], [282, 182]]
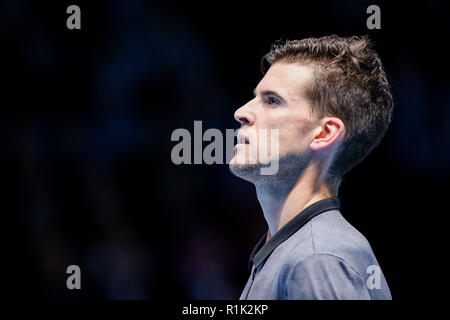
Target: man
[[329, 100]]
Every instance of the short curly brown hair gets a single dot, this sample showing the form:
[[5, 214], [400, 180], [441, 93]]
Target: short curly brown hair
[[350, 83]]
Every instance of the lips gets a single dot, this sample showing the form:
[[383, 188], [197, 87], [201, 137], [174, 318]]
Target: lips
[[242, 139]]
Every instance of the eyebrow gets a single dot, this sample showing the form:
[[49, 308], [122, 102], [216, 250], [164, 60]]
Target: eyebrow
[[266, 93]]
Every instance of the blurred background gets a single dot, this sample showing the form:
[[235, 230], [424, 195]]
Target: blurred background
[[85, 125]]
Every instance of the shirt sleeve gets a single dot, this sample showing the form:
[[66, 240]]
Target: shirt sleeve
[[324, 277]]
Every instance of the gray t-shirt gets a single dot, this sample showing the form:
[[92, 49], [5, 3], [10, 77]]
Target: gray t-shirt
[[316, 255]]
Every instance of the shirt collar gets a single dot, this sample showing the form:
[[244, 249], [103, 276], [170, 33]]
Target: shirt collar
[[263, 249]]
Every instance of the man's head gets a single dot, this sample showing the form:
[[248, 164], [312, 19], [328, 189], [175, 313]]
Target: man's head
[[330, 101]]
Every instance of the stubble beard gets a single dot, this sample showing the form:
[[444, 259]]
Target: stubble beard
[[291, 167]]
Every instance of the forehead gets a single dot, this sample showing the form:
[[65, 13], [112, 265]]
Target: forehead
[[287, 79]]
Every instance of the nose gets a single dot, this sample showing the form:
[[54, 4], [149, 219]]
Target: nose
[[244, 116]]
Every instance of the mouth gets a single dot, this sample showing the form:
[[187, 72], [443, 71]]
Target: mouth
[[242, 139]]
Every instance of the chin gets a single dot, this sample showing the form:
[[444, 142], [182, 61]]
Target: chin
[[249, 172]]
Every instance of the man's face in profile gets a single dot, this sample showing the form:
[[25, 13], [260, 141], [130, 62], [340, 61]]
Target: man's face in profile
[[279, 103]]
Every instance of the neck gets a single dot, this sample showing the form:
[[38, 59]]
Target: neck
[[281, 201]]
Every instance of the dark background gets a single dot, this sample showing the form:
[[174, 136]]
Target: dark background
[[85, 126]]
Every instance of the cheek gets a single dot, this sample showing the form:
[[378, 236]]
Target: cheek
[[294, 130], [295, 135]]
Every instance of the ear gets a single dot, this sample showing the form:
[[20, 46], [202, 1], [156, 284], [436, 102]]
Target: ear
[[329, 131]]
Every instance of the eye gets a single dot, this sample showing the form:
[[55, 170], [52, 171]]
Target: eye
[[272, 100]]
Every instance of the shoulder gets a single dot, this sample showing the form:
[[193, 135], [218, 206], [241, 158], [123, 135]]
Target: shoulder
[[324, 276], [330, 237], [331, 233], [329, 259]]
